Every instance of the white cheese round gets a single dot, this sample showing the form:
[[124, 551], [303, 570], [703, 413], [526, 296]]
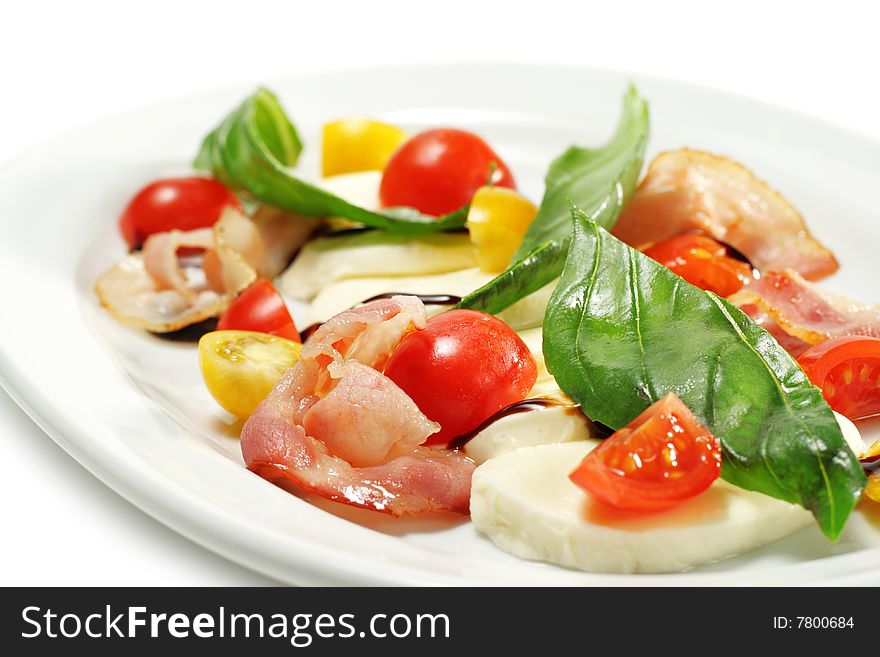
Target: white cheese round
[[526, 504]]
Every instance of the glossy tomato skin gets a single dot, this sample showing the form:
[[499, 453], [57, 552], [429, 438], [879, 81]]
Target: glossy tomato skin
[[174, 204], [438, 171], [847, 370], [259, 308], [461, 368], [660, 459], [702, 261]]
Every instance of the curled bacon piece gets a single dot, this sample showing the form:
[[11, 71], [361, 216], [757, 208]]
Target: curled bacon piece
[[160, 292], [337, 427], [687, 189], [803, 313]]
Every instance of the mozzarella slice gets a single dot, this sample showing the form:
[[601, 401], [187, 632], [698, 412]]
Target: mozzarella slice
[[360, 188], [342, 295], [529, 311], [372, 253], [526, 504], [553, 424], [850, 434]]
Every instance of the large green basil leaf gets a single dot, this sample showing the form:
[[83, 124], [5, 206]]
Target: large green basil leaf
[[251, 149], [621, 331], [598, 179]]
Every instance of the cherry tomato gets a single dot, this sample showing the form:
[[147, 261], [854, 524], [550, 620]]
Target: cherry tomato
[[259, 308], [461, 368], [702, 261], [660, 459], [847, 370], [438, 171], [241, 367], [352, 145], [497, 220], [174, 203]]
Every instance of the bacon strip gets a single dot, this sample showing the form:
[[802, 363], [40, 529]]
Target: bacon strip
[[806, 311], [335, 426], [157, 291], [687, 189]]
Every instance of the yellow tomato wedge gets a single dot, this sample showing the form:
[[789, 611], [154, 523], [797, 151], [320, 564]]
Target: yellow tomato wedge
[[872, 490], [497, 220], [353, 145], [241, 367]]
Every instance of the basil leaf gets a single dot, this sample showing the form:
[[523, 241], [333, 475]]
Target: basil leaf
[[622, 330], [251, 149], [534, 271], [584, 176], [599, 179]]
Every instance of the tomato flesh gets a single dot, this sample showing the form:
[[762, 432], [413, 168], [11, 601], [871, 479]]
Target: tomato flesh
[[438, 171], [847, 370], [702, 261], [461, 368], [259, 308], [174, 204], [660, 459]]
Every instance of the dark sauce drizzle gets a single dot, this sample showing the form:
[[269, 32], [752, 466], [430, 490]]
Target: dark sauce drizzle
[[427, 299], [871, 465], [732, 251], [523, 406]]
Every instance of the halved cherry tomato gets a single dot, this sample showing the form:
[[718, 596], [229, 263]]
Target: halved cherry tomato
[[497, 220], [702, 261], [259, 308], [174, 204], [352, 145], [461, 368], [660, 459], [847, 370], [438, 171], [241, 367]]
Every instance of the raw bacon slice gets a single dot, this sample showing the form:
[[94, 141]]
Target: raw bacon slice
[[806, 311], [793, 345], [160, 292], [337, 427], [687, 189]]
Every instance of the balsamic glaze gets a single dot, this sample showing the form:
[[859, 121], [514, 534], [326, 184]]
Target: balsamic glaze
[[427, 299], [533, 404], [871, 465], [732, 251]]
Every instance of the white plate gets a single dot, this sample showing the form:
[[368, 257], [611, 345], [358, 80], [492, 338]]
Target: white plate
[[131, 407]]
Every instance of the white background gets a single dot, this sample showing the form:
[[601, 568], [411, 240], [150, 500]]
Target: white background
[[66, 64]]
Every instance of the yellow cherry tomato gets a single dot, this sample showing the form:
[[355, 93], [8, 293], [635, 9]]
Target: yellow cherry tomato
[[872, 490], [241, 367], [497, 220], [353, 145]]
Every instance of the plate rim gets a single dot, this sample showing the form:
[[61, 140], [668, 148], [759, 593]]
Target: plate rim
[[192, 519]]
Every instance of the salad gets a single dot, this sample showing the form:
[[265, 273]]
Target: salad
[[640, 373]]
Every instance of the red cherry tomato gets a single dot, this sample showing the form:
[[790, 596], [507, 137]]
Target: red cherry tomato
[[174, 203], [847, 370], [663, 457], [259, 308], [438, 171], [463, 367], [702, 261]]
